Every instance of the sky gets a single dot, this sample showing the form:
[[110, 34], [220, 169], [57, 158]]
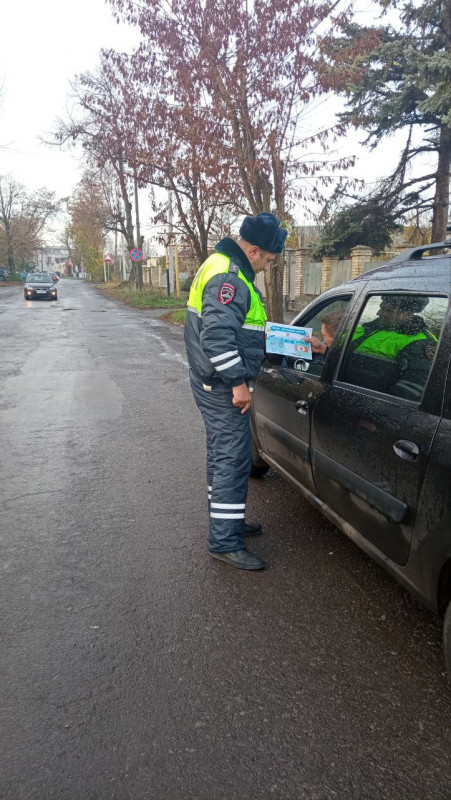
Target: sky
[[44, 45]]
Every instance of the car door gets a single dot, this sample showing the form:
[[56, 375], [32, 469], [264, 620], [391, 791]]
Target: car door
[[372, 431], [284, 396]]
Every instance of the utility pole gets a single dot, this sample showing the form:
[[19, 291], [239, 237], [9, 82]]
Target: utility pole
[[116, 270], [166, 264], [176, 262], [170, 244], [124, 260], [138, 264]]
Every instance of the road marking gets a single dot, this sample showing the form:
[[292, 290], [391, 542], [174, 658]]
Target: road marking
[[168, 351]]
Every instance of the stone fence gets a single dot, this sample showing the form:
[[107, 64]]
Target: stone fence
[[305, 279]]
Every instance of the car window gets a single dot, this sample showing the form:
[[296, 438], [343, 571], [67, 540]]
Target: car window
[[38, 278], [393, 345], [324, 320]]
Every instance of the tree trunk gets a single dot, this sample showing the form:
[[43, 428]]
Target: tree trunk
[[441, 199], [130, 235], [10, 250], [129, 232], [274, 278], [10, 261], [274, 290]]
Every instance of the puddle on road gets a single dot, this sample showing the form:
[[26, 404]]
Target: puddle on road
[[88, 310], [154, 323]]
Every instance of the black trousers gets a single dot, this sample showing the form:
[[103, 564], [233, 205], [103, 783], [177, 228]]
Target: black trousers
[[229, 462]]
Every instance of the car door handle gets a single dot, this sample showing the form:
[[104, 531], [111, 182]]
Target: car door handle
[[406, 450], [302, 407]]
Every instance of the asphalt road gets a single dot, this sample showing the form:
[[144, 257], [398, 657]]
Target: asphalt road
[[133, 666]]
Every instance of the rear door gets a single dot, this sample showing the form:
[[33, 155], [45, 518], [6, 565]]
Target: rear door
[[372, 434]]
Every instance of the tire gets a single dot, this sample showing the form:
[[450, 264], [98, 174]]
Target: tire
[[447, 640], [258, 471], [259, 467]]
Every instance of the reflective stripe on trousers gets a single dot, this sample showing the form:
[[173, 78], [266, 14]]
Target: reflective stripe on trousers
[[229, 461]]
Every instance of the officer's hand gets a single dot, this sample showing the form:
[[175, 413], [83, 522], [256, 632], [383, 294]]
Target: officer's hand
[[242, 397]]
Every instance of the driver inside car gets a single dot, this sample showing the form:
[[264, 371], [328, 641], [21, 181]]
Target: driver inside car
[[393, 352]]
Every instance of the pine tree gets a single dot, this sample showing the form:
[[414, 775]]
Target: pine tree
[[403, 83]]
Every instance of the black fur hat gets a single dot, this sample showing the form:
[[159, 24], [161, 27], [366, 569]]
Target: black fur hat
[[405, 302], [265, 232]]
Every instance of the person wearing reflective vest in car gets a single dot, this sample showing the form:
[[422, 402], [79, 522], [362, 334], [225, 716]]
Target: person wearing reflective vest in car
[[225, 345], [400, 342]]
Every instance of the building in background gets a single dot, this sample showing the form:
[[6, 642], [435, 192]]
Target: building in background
[[51, 259]]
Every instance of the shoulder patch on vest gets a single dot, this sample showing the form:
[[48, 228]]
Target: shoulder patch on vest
[[226, 293]]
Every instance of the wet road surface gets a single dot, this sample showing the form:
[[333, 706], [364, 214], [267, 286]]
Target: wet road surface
[[133, 665]]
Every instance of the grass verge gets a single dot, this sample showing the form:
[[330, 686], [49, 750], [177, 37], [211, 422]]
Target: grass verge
[[144, 298], [177, 317]]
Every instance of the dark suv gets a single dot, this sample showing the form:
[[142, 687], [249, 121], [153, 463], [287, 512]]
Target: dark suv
[[363, 428]]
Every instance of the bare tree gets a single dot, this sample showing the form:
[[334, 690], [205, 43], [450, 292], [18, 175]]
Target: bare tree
[[246, 69], [22, 219], [100, 126]]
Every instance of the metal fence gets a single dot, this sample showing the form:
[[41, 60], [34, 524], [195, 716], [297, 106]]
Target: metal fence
[[312, 277], [376, 262], [290, 275], [311, 284], [341, 272]]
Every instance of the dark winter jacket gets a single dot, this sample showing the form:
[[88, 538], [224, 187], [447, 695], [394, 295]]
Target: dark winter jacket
[[225, 323]]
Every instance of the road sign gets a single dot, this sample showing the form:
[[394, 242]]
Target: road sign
[[107, 259], [136, 255]]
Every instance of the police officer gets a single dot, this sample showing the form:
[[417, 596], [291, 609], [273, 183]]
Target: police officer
[[397, 346], [225, 344]]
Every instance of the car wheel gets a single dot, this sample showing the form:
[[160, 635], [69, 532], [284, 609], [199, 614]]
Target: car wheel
[[447, 640], [259, 467]]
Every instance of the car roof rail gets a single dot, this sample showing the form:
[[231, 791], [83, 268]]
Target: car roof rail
[[415, 253]]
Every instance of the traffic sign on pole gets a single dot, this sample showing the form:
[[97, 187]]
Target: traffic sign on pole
[[136, 254], [107, 259]]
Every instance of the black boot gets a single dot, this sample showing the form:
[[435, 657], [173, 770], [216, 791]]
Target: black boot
[[251, 529], [241, 559]]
